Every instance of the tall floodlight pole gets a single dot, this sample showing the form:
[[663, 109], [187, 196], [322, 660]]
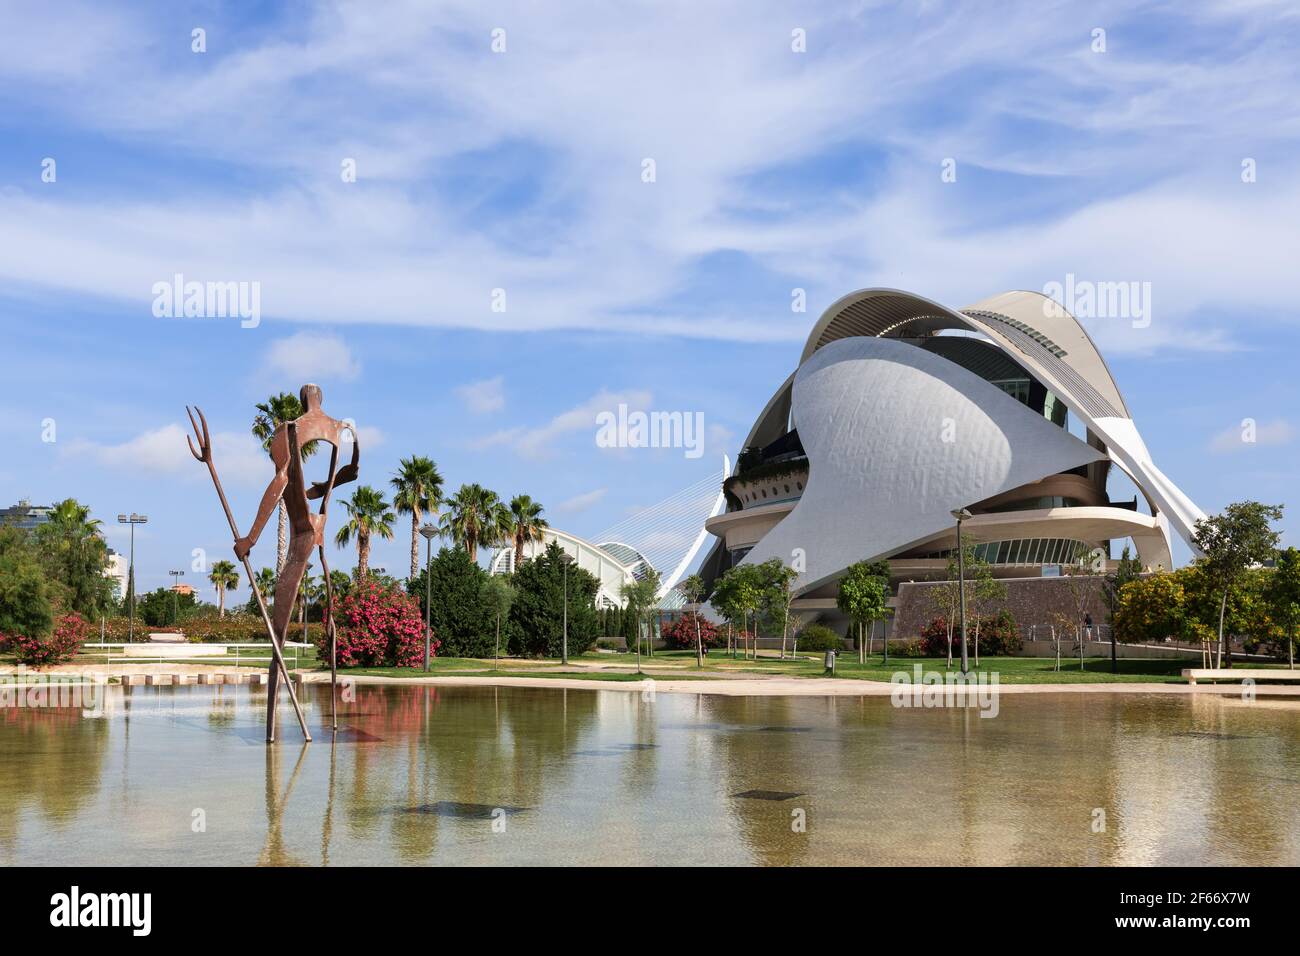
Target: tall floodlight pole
[[430, 532], [132, 520], [176, 594], [961, 514], [565, 560]]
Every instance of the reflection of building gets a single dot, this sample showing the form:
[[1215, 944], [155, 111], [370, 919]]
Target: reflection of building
[[25, 514], [902, 410], [612, 569]]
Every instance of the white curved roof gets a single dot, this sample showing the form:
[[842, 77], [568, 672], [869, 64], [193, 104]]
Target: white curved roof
[[611, 572], [866, 457]]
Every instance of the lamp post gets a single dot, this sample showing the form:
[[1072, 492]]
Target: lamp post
[[176, 610], [430, 531], [565, 560], [133, 520], [961, 514]]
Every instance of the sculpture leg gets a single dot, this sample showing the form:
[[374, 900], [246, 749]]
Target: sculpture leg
[[333, 636], [286, 591]]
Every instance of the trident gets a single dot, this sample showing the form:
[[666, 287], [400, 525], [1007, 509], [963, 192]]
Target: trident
[[206, 457]]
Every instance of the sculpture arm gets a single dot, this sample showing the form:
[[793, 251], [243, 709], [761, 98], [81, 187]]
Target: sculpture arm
[[271, 498], [345, 474]]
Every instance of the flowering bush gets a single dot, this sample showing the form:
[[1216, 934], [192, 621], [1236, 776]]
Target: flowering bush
[[999, 636], [54, 648], [680, 633], [378, 626]]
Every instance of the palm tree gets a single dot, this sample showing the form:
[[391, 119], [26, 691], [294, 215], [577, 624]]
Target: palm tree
[[417, 490], [223, 577], [474, 516], [368, 515], [526, 524], [271, 414]]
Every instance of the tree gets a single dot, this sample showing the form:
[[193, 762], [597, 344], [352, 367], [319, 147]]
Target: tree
[[742, 587], [1077, 578], [1233, 541], [526, 524], [457, 613], [864, 597], [163, 607], [272, 413], [498, 597], [693, 590], [71, 547], [985, 591], [641, 599], [474, 516], [1150, 609], [538, 612], [1128, 569], [24, 601], [224, 578], [776, 594], [417, 490], [725, 601], [368, 516], [1283, 595]]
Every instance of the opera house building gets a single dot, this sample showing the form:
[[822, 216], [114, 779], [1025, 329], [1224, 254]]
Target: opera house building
[[902, 411]]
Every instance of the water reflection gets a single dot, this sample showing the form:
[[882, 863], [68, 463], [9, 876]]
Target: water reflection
[[485, 775]]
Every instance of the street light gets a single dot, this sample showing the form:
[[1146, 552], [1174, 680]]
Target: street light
[[133, 520], [430, 531], [961, 514], [565, 559], [176, 610]]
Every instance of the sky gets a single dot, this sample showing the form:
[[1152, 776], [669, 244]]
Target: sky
[[478, 225]]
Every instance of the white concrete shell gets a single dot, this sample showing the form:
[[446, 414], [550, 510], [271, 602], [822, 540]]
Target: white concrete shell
[[867, 402]]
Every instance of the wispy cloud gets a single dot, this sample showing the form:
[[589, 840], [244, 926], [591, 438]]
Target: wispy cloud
[[485, 396], [543, 440], [1250, 435], [581, 502]]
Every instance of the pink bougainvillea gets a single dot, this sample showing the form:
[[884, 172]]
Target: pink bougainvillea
[[55, 648], [378, 627]]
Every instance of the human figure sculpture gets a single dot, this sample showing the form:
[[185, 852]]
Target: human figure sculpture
[[306, 529]]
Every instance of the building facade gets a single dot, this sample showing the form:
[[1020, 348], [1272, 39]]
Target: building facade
[[902, 410]]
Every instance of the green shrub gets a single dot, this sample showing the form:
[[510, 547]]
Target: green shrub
[[538, 611], [459, 615], [24, 601], [819, 638]]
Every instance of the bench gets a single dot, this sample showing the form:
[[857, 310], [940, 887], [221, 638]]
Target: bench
[[1193, 674]]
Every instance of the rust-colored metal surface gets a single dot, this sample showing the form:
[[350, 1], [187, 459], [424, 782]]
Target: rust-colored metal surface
[[306, 531]]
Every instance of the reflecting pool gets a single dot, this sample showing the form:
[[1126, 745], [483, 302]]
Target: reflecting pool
[[488, 775]]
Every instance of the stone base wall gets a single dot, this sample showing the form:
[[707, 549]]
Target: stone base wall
[[1031, 601]]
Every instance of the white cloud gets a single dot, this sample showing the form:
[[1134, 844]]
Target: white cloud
[[719, 101], [239, 458], [482, 397], [540, 442], [1239, 438], [581, 502], [310, 357]]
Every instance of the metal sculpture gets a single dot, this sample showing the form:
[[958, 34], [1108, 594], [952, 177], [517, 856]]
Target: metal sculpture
[[306, 530]]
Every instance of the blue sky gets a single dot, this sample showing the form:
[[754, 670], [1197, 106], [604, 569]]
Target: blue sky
[[522, 170]]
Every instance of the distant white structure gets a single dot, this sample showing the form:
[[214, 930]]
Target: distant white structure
[[117, 570], [609, 570], [666, 536]]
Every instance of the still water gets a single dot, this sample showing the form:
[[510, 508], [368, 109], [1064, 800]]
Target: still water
[[484, 775]]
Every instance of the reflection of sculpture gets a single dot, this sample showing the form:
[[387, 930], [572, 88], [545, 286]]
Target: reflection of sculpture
[[306, 531]]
